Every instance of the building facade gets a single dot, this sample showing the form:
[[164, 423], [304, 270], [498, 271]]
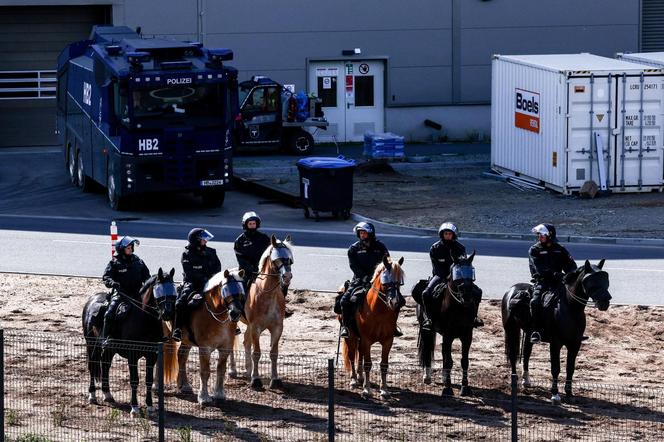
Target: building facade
[[377, 64]]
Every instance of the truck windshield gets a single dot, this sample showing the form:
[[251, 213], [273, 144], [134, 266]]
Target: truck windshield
[[202, 104]]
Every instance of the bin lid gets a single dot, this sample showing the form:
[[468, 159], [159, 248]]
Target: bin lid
[[325, 162]]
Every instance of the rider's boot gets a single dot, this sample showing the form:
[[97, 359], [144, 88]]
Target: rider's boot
[[179, 319], [536, 336], [426, 319], [346, 314], [105, 338]]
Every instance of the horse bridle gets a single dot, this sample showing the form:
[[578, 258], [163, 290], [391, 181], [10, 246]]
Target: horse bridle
[[385, 297], [585, 302], [215, 315], [280, 264]]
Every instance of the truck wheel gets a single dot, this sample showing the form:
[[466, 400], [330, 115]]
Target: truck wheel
[[116, 201], [214, 198], [71, 166], [82, 180], [301, 143]]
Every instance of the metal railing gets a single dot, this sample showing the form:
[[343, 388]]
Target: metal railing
[[28, 85], [44, 381]]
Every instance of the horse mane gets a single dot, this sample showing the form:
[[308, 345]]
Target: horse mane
[[145, 292], [216, 280], [393, 266], [268, 251]]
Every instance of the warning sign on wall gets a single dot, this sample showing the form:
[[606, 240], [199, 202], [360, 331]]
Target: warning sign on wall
[[526, 110]]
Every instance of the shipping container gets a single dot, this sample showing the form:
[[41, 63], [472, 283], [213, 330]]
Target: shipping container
[[554, 116], [655, 59]]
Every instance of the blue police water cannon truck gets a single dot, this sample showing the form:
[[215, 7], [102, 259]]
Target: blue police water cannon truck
[[142, 115]]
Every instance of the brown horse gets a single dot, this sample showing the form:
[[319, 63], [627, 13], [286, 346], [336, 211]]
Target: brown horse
[[211, 327], [376, 320], [265, 309]]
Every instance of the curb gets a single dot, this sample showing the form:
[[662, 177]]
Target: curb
[[293, 200], [524, 236]]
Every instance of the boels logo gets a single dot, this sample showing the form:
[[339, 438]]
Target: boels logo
[[526, 110]]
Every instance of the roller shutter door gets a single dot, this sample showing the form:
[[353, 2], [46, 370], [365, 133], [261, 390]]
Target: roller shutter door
[[652, 26], [30, 41]]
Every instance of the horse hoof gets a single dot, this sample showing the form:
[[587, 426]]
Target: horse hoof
[[555, 399], [466, 391], [276, 383], [204, 400], [366, 393], [219, 396], [232, 373], [384, 394], [526, 383], [427, 380], [447, 391], [135, 412], [569, 393], [353, 383], [149, 410], [256, 383], [108, 398], [92, 399]]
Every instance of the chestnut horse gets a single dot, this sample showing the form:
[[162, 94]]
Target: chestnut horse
[[211, 327], [375, 320]]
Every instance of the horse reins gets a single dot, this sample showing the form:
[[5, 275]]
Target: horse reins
[[139, 304], [580, 300]]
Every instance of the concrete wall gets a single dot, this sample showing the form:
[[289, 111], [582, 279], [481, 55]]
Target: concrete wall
[[465, 123]]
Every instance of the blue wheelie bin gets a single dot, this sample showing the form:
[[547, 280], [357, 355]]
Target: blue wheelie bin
[[326, 185]]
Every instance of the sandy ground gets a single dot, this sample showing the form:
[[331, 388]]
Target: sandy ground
[[454, 189], [620, 391]]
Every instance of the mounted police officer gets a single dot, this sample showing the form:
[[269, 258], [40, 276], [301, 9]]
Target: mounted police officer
[[363, 256], [199, 263], [443, 254], [249, 247], [125, 273], [548, 261]]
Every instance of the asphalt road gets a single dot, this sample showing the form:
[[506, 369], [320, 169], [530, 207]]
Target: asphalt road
[[47, 226]]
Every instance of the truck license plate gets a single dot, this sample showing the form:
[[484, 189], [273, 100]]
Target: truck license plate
[[212, 183]]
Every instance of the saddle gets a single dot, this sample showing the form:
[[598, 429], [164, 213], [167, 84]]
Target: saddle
[[194, 301], [356, 298]]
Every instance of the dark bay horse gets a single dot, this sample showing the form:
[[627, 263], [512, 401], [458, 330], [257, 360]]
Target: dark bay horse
[[139, 322], [564, 323], [211, 326], [376, 320], [453, 321]]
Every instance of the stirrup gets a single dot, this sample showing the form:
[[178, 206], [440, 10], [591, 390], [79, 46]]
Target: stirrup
[[397, 332], [535, 338], [106, 343], [288, 312], [176, 335], [426, 324], [344, 333], [477, 322]]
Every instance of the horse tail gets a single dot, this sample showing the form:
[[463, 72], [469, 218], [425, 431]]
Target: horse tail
[[512, 330], [171, 366], [94, 358], [425, 347]]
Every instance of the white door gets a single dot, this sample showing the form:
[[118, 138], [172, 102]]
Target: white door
[[353, 97]]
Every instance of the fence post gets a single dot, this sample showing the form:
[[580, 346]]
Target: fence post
[[2, 385], [330, 400], [160, 390], [515, 434]]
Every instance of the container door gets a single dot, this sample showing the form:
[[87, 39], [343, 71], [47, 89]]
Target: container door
[[590, 121], [639, 150]]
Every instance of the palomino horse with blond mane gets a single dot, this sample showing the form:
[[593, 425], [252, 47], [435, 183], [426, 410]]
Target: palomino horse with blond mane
[[375, 321], [211, 327], [265, 309]]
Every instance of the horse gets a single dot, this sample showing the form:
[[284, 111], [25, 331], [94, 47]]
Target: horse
[[375, 321], [140, 321], [454, 320], [211, 327], [265, 309], [564, 325]]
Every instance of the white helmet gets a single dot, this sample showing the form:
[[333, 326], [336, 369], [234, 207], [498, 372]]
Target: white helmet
[[448, 226], [250, 216]]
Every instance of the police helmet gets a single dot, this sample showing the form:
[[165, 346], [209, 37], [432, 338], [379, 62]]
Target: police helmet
[[250, 216], [547, 230], [195, 235], [367, 227], [125, 242], [448, 227]]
